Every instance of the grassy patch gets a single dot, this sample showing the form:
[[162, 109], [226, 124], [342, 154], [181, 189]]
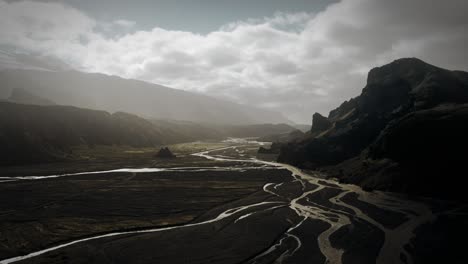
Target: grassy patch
[[194, 147]]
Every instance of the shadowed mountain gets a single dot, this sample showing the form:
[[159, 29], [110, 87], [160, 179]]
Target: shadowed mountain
[[36, 134], [400, 134], [113, 94], [32, 134]]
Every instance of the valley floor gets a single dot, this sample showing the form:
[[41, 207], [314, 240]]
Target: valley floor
[[215, 203]]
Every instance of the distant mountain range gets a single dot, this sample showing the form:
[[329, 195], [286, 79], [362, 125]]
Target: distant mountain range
[[406, 132], [37, 134], [115, 94]]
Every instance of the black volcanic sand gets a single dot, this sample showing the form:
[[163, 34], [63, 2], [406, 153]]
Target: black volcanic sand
[[221, 242], [291, 190], [361, 242], [389, 219], [112, 157], [256, 226], [322, 198], [125, 161], [40, 213], [309, 251]]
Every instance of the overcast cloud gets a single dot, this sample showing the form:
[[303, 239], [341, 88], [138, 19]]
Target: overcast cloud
[[297, 63]]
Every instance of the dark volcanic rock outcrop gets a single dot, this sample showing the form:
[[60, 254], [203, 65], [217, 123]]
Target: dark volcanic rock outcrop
[[274, 149], [320, 123], [437, 136], [269, 154], [421, 153], [409, 121], [165, 153]]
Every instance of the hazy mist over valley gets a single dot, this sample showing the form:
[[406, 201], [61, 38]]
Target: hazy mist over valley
[[264, 131]]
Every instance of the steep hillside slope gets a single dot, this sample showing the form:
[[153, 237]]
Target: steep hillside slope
[[111, 93], [31, 134]]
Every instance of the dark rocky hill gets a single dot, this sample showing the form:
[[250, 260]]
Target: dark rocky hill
[[31, 134], [165, 153], [403, 131]]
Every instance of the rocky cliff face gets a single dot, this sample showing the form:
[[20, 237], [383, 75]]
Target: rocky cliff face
[[320, 123], [409, 115]]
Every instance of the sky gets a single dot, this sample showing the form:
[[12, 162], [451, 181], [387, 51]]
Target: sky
[[297, 56]]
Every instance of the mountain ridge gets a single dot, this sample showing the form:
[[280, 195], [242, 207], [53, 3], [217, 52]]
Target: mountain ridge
[[113, 94]]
